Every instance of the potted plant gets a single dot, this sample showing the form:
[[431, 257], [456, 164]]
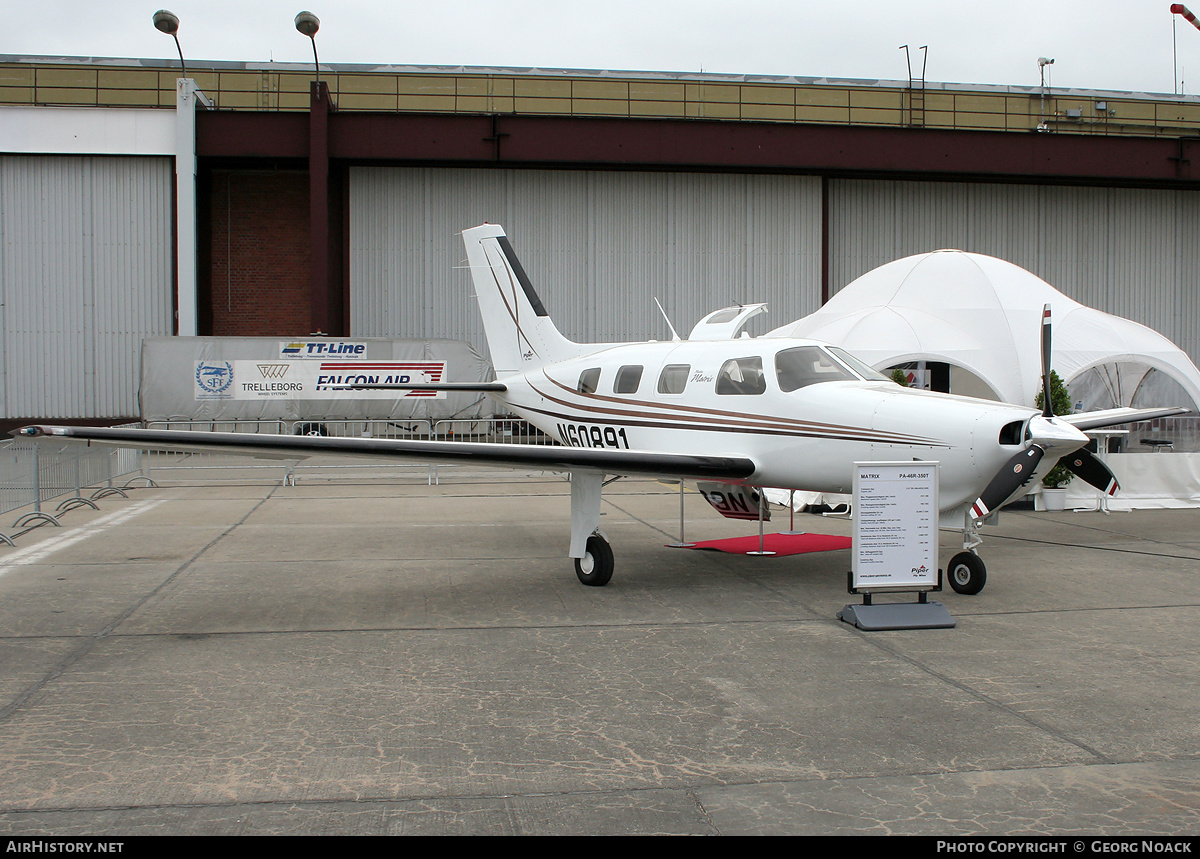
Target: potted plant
[[1054, 492]]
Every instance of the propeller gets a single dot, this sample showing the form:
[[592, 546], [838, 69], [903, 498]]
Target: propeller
[[1091, 470], [1047, 405], [1045, 434], [1013, 476]]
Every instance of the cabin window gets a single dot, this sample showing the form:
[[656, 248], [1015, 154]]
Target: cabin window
[[742, 376], [589, 380], [807, 365], [628, 379], [673, 378]]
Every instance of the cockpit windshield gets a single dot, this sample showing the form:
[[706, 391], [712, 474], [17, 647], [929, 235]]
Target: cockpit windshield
[[865, 370], [808, 365]]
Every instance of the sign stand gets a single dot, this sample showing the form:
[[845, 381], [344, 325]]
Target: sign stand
[[762, 550], [895, 546], [791, 531], [683, 543]]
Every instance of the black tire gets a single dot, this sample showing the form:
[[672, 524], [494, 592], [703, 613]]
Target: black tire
[[311, 429], [967, 573], [595, 568]]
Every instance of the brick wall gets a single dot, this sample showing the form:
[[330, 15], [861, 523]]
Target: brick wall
[[261, 283]]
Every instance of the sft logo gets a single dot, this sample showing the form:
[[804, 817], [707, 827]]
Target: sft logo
[[213, 378]]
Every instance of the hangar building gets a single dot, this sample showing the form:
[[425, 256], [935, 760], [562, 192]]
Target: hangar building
[[258, 202]]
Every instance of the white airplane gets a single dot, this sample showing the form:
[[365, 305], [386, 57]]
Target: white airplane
[[765, 412]]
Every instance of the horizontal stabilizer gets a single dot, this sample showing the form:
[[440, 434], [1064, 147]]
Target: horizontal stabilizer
[[1113, 417]]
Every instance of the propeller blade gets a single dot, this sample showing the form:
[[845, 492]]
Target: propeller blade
[[1015, 473], [1047, 406], [1089, 467]]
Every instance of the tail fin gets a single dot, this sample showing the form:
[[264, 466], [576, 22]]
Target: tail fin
[[519, 331]]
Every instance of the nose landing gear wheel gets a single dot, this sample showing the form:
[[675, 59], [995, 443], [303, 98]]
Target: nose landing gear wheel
[[595, 568], [967, 573]]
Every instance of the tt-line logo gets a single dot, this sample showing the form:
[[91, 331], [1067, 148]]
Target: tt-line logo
[[323, 349], [273, 371]]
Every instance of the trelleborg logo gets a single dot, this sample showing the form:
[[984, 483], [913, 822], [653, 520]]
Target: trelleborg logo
[[273, 371], [214, 377]]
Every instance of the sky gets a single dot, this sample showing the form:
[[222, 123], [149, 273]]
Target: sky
[[1102, 44]]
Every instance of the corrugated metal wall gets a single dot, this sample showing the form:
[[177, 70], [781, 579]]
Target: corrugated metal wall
[[85, 274], [599, 247], [1134, 253]]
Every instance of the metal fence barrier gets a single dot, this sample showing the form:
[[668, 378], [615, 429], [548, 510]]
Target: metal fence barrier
[[35, 475], [1180, 434], [502, 429]]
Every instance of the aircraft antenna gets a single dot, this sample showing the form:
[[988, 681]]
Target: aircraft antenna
[[674, 336]]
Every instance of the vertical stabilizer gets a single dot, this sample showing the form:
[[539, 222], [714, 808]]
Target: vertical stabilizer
[[520, 334]]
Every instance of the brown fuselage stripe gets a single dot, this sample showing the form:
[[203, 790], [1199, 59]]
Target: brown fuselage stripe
[[713, 419]]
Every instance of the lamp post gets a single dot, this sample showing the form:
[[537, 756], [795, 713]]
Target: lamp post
[[1042, 63], [307, 24], [325, 317], [187, 94], [167, 22]]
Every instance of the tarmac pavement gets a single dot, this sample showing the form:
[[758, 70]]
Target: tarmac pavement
[[357, 656]]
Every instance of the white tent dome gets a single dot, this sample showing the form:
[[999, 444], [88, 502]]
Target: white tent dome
[[983, 314]]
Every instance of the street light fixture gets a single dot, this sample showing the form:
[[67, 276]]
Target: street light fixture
[[1042, 63], [167, 22], [308, 24]]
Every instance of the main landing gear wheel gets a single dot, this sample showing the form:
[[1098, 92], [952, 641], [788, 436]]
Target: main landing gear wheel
[[595, 568], [967, 573]]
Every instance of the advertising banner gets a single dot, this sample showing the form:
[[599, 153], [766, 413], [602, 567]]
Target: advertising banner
[[313, 380], [308, 379]]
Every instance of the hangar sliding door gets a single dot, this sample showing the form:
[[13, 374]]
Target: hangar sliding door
[[599, 246], [85, 274]]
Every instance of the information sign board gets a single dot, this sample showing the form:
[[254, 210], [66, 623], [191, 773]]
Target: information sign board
[[895, 526]]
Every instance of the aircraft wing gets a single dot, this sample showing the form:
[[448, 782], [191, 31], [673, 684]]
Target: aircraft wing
[[548, 457], [1112, 417]]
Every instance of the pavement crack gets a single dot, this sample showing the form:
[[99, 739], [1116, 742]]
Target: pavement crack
[[88, 642], [968, 689]]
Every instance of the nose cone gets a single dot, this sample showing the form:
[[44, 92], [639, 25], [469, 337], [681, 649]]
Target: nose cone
[[1056, 436]]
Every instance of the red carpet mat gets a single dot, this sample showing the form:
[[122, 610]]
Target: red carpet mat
[[780, 544]]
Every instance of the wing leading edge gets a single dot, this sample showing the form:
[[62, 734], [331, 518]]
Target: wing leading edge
[[1114, 417], [551, 458]]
